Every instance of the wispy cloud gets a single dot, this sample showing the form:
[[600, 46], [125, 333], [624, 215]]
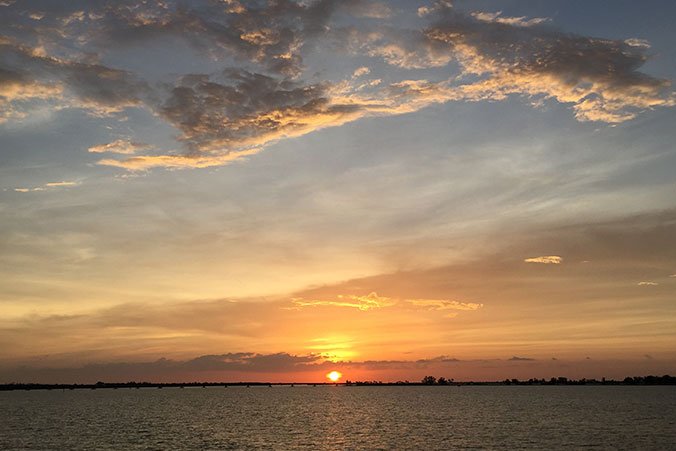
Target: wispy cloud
[[515, 21], [47, 186], [443, 304], [547, 260], [647, 284], [369, 302], [374, 301], [145, 162], [121, 146]]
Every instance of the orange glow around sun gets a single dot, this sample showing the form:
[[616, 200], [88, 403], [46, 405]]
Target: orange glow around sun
[[334, 376]]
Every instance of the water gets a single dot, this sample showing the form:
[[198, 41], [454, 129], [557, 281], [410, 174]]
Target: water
[[423, 418]]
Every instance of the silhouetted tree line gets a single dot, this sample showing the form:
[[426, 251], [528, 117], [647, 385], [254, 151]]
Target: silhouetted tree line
[[431, 380], [650, 380], [647, 380], [116, 385], [427, 380]]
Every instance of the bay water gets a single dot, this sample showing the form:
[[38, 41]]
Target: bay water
[[339, 417]]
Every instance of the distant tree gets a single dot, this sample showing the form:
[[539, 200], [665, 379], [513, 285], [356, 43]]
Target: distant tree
[[429, 380], [442, 381]]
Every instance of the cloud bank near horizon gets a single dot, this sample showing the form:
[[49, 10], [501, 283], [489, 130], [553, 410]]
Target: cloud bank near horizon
[[286, 367]]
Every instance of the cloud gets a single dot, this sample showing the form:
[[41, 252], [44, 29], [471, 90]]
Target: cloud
[[17, 88], [408, 49], [26, 72], [219, 367], [145, 162], [121, 146], [290, 367], [361, 71], [635, 42], [369, 302], [249, 109], [438, 5], [547, 260], [647, 284], [270, 34], [254, 362], [56, 184], [47, 186], [514, 21], [600, 78], [227, 115], [443, 304], [373, 301]]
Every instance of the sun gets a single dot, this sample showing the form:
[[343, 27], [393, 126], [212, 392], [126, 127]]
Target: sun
[[334, 376]]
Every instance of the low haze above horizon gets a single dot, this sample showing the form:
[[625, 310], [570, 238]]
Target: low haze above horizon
[[225, 190]]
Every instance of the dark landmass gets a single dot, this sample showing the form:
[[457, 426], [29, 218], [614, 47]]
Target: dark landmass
[[426, 381]]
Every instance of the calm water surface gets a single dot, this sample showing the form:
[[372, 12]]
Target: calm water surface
[[425, 418]]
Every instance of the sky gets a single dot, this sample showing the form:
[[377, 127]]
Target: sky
[[231, 190]]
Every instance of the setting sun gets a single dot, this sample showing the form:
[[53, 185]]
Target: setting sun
[[334, 376]]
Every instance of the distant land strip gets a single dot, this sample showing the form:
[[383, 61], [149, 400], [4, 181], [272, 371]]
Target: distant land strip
[[427, 381]]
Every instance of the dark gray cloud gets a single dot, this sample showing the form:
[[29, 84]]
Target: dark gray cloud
[[271, 34], [278, 362], [600, 77], [28, 73], [250, 366], [245, 109], [224, 365]]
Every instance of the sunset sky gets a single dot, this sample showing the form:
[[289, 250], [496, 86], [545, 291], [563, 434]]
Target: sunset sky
[[271, 190]]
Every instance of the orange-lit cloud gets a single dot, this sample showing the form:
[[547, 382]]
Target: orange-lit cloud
[[145, 162], [121, 146], [373, 301], [647, 284], [443, 304], [368, 302], [547, 260]]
